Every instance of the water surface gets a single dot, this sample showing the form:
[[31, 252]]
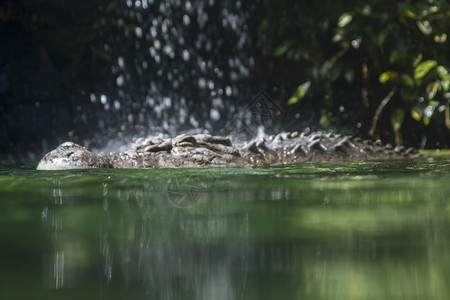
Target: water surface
[[375, 230]]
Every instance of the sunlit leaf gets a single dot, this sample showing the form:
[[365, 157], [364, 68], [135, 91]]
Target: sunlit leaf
[[407, 10], [367, 10], [410, 14], [445, 84], [425, 26], [423, 68], [417, 60], [443, 72], [431, 10], [432, 89], [417, 112], [429, 111], [337, 38], [292, 101], [344, 19], [388, 75], [301, 91], [440, 38]]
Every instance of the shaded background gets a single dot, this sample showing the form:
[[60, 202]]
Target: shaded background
[[102, 72]]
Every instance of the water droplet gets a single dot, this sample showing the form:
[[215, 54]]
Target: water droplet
[[152, 51], [185, 55], [186, 20], [116, 104], [356, 43], [168, 50], [93, 98], [202, 83], [120, 81], [103, 99], [193, 121], [120, 62], [214, 114], [167, 102], [153, 31], [228, 91], [188, 6]]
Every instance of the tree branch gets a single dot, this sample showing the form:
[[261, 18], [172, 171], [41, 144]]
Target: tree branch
[[379, 109]]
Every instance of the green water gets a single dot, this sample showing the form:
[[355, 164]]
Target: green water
[[321, 231]]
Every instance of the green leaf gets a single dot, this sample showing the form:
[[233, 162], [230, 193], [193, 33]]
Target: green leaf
[[397, 118], [407, 80], [367, 10], [292, 101], [440, 39], [410, 14], [429, 111], [281, 49], [445, 84], [344, 19], [423, 68], [425, 27], [324, 120], [407, 9], [388, 75], [443, 72], [337, 38], [417, 112], [301, 91], [382, 36], [396, 55], [417, 60], [432, 89]]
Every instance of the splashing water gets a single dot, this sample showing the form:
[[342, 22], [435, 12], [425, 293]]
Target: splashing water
[[178, 66]]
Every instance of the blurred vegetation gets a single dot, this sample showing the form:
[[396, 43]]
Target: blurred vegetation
[[382, 66]]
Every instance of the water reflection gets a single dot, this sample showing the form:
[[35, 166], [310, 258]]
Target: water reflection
[[215, 236]]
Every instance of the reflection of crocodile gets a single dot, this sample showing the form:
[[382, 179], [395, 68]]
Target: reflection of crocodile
[[205, 150]]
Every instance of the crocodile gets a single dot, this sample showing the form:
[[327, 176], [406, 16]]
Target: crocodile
[[205, 150]]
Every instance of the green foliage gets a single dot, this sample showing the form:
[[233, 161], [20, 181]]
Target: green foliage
[[299, 93], [371, 46]]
